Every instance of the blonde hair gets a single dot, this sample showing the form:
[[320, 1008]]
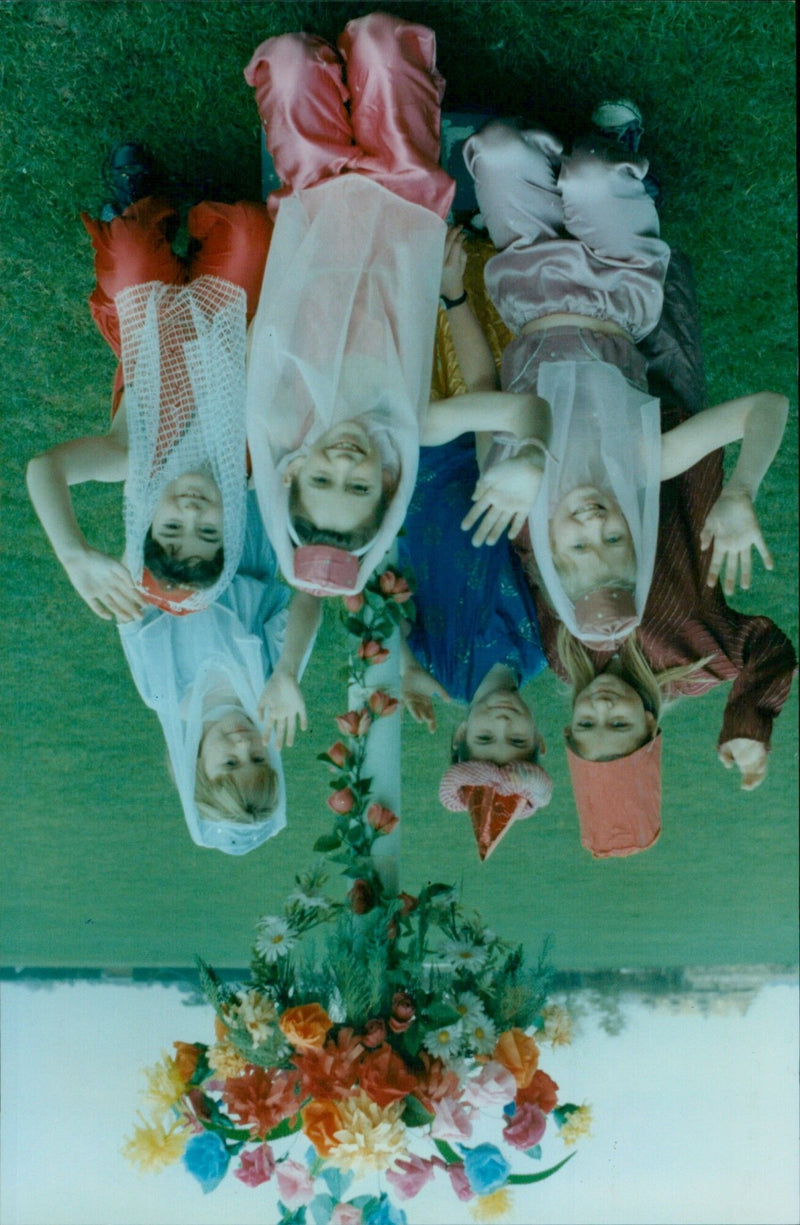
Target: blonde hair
[[225, 799], [656, 689]]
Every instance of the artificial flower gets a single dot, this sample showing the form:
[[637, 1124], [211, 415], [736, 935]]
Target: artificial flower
[[493, 1207], [578, 1123], [394, 585], [370, 1137], [526, 1126], [341, 801], [152, 1148], [198, 1108], [519, 1053], [460, 1182], [308, 901], [409, 902], [374, 1033], [482, 1036], [436, 1082], [353, 603], [355, 722], [305, 1026], [295, 1184], [186, 1058], [410, 1175], [372, 652], [451, 1121], [331, 1072], [486, 1168], [469, 1007], [226, 1060], [557, 1025], [220, 1029], [362, 898], [346, 1214], [382, 820], [384, 1077], [256, 1166], [445, 1040], [273, 938], [165, 1085], [385, 1213], [255, 1011], [321, 1122], [461, 954], [403, 1012], [206, 1158], [339, 754], [542, 1092], [492, 1088], [262, 1098], [381, 703]]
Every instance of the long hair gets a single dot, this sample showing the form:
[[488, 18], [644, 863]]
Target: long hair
[[224, 799]]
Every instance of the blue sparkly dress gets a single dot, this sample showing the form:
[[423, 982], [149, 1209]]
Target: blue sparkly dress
[[474, 608]]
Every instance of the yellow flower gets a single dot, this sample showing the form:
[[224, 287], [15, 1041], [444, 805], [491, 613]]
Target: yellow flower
[[257, 1013], [578, 1124], [225, 1060], [493, 1207], [165, 1085], [151, 1148], [557, 1026], [371, 1137]]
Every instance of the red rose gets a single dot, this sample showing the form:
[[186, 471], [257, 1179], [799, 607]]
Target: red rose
[[353, 603], [338, 754], [403, 1012], [374, 1033], [382, 820], [384, 1076], [355, 722], [542, 1092], [372, 652], [361, 897], [393, 585], [342, 801], [381, 704]]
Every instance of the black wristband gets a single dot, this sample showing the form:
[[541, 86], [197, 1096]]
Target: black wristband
[[449, 303]]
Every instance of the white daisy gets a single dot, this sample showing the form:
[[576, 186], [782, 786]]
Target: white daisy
[[308, 901], [461, 955], [273, 938], [469, 1008], [445, 1040], [482, 1036]]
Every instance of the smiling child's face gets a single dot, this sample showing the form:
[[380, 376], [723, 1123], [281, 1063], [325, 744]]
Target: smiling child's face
[[591, 541], [188, 519], [500, 728], [609, 719], [232, 746], [340, 478]]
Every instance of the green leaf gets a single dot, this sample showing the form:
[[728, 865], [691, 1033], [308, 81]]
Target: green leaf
[[415, 1114], [355, 625], [518, 1179], [451, 1157], [440, 1015], [327, 842], [287, 1127]]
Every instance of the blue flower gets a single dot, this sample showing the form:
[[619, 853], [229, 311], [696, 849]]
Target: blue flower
[[486, 1168], [206, 1158], [385, 1213]]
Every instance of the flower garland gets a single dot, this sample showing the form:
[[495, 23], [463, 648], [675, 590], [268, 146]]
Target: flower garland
[[387, 1047]]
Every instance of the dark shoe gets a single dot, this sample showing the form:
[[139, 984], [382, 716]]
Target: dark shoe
[[129, 174]]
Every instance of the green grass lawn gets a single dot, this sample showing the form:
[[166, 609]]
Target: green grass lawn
[[101, 870]]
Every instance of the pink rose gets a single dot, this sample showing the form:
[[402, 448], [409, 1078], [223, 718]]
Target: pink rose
[[295, 1184], [338, 754], [374, 1033], [458, 1177], [355, 722], [493, 1088], [382, 820], [410, 1176], [372, 652], [353, 603], [526, 1128], [393, 585], [346, 1214], [451, 1121], [342, 801], [255, 1166], [381, 704]]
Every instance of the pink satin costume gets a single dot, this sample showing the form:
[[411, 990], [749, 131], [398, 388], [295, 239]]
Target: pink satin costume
[[369, 106], [231, 242]]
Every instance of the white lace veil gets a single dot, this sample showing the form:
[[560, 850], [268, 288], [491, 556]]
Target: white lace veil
[[606, 433], [344, 330], [183, 357]]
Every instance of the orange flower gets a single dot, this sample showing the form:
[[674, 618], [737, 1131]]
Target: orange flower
[[220, 1030], [186, 1057], [381, 704], [353, 603], [384, 1076], [338, 753], [393, 585], [355, 722], [321, 1120], [372, 652], [519, 1053], [305, 1026], [341, 801], [382, 820], [542, 1092], [436, 1082]]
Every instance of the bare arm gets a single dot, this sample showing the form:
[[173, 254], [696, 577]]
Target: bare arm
[[281, 705], [471, 347], [759, 421], [506, 411]]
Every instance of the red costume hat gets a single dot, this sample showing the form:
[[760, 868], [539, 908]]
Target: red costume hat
[[164, 597], [619, 801], [324, 570], [495, 796]]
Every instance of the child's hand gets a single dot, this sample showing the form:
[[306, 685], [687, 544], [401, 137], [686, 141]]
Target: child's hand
[[504, 495], [417, 690], [733, 526], [281, 706], [455, 261], [105, 585], [750, 756]]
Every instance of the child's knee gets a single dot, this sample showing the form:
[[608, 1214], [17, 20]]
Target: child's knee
[[285, 60], [501, 147], [373, 36]]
